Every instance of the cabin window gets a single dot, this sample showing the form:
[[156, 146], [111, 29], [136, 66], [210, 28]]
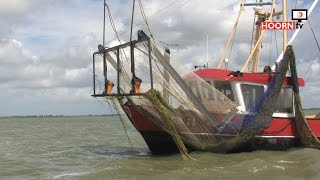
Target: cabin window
[[285, 101], [250, 94], [225, 88]]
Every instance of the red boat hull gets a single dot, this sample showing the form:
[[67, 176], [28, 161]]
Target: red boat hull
[[280, 135]]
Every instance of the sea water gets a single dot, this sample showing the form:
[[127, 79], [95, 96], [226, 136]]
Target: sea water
[[97, 147]]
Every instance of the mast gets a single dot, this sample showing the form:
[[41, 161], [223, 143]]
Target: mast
[[256, 42], [285, 19], [260, 16], [257, 33]]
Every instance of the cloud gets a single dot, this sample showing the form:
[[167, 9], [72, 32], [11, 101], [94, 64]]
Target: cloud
[[64, 77], [14, 12], [46, 46]]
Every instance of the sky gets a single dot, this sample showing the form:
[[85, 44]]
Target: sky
[[46, 47]]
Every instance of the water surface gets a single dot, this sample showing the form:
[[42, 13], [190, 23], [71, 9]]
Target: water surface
[[96, 147]]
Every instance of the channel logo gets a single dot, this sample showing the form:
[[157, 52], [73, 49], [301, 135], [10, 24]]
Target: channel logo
[[298, 15]]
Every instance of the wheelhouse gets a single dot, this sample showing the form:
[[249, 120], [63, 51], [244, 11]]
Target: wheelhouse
[[243, 88]]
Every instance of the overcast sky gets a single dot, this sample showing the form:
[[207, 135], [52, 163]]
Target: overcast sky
[[46, 47]]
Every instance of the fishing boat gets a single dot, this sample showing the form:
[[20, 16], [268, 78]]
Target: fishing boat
[[209, 109]]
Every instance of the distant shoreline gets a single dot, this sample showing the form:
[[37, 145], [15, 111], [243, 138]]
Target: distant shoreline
[[314, 111], [55, 116]]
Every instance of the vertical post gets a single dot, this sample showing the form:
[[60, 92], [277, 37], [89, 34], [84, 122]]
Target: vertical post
[[150, 63], [256, 54], [132, 16], [166, 76], [207, 51], [285, 19], [104, 23], [132, 60], [103, 41], [105, 67], [132, 45], [94, 73], [118, 70]]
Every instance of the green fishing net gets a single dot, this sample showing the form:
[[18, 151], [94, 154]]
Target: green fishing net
[[194, 112]]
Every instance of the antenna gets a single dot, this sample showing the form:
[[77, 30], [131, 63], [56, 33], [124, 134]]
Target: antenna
[[207, 50]]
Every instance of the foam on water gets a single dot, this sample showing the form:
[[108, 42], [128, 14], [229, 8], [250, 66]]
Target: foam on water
[[70, 174]]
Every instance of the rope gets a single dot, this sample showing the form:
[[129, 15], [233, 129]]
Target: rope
[[145, 19], [114, 103], [114, 111], [166, 113], [117, 37], [275, 38], [112, 23]]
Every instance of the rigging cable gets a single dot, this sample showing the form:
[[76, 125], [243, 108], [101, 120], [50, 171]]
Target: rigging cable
[[112, 100], [132, 16], [314, 36], [114, 114], [295, 33], [117, 36], [117, 112], [112, 23], [159, 11], [275, 38], [270, 50], [145, 19]]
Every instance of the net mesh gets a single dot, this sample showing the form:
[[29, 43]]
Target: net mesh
[[196, 113], [304, 131]]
